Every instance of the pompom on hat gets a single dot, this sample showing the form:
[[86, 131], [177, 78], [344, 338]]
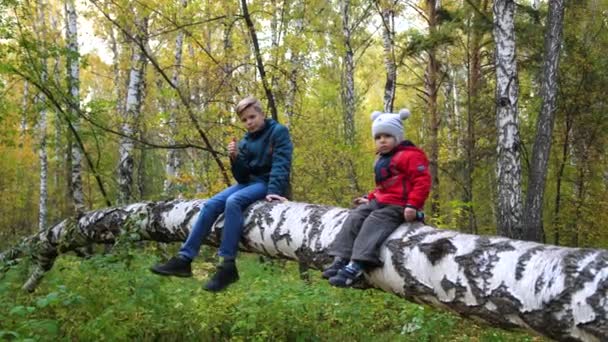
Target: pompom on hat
[[389, 123]]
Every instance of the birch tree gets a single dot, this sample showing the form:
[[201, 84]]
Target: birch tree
[[555, 291], [533, 221], [173, 159], [348, 74], [132, 109], [509, 206], [73, 75], [431, 87], [42, 122], [388, 43]]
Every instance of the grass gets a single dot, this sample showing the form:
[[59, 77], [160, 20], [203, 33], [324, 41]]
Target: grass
[[116, 298]]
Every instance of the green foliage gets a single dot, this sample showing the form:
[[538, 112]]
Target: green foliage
[[104, 298]]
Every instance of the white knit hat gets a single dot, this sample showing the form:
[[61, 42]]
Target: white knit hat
[[389, 123]]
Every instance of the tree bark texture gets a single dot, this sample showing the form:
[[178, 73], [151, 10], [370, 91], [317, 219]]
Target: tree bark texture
[[431, 87], [348, 75], [509, 206], [173, 159], [388, 37], [555, 291], [533, 218], [42, 124], [132, 109], [74, 86]]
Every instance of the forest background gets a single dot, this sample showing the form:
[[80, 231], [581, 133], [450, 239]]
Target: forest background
[[148, 112]]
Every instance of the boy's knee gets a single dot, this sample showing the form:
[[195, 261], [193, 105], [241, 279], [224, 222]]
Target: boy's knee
[[234, 202], [212, 205]]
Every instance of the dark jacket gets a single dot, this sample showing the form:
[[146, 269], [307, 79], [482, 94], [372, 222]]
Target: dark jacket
[[265, 156], [402, 177]]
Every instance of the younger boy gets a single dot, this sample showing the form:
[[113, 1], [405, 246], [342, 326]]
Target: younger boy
[[403, 183]]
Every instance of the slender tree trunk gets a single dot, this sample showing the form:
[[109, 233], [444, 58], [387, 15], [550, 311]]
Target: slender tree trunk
[[533, 217], [260, 63], [57, 153], [117, 73], [348, 90], [431, 86], [24, 110], [73, 74], [557, 221], [509, 206], [132, 109], [473, 83], [296, 61], [173, 159], [42, 123], [348, 75], [388, 37], [555, 291]]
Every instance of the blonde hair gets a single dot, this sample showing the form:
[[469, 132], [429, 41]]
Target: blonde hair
[[247, 102]]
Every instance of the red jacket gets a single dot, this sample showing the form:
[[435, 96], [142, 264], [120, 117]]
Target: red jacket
[[402, 177]]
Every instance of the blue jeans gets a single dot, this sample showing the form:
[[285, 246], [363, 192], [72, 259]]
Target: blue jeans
[[232, 201]]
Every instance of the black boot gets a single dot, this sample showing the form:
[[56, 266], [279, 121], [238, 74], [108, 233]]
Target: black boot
[[335, 266], [225, 275], [176, 266]]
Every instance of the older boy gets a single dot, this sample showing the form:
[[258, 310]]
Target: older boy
[[402, 186], [261, 163]]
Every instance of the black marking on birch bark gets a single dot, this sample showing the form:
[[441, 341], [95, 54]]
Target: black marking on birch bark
[[479, 264], [260, 217], [599, 302], [539, 285], [277, 235], [558, 327], [523, 261], [312, 258], [436, 250], [459, 289], [506, 303], [415, 239], [158, 231], [411, 286], [313, 221]]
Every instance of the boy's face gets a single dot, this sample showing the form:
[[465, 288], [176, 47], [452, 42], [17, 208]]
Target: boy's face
[[252, 119], [385, 143]]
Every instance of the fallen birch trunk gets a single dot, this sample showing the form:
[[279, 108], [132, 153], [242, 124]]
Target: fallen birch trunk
[[555, 291]]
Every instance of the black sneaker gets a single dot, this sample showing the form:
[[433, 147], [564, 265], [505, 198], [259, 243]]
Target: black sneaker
[[335, 266], [346, 277], [225, 275], [176, 266]]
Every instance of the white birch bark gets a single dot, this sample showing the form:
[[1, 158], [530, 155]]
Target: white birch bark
[[131, 114], [56, 118], [24, 109], [348, 75], [73, 74], [42, 124], [388, 36], [173, 160], [509, 206], [431, 87], [555, 291]]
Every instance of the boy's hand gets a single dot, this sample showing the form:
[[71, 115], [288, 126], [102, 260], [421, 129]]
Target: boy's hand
[[409, 214], [232, 149], [274, 197], [360, 200]]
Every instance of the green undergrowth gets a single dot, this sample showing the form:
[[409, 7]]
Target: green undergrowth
[[116, 298]]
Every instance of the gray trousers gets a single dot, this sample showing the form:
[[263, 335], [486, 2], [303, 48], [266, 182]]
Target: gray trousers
[[364, 231]]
